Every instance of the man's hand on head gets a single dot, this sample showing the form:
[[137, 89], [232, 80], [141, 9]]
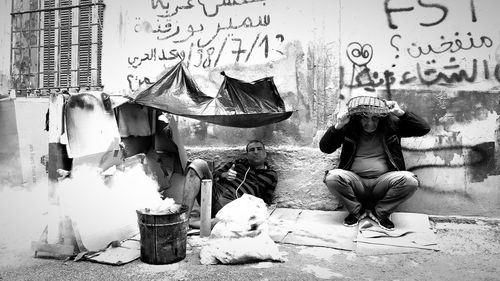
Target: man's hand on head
[[342, 119], [394, 108]]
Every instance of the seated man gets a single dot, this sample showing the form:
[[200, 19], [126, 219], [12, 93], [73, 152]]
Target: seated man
[[371, 178], [251, 175]]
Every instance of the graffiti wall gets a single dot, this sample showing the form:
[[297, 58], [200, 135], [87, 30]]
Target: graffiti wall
[[394, 44], [438, 58], [208, 36], [246, 39]]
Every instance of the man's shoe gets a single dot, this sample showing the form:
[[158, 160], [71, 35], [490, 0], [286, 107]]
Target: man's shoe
[[384, 222], [353, 220]]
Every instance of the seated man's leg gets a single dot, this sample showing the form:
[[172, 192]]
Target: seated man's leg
[[196, 171], [348, 187], [192, 186], [391, 189]]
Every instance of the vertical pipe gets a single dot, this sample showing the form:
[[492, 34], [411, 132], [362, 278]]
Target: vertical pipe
[[205, 207]]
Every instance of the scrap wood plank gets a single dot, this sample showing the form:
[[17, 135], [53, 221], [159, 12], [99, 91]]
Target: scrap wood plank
[[53, 249], [65, 245]]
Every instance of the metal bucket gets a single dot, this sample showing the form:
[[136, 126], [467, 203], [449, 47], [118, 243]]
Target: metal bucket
[[163, 236]]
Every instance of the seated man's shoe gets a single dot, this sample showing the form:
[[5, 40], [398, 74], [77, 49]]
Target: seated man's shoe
[[353, 220], [384, 222]]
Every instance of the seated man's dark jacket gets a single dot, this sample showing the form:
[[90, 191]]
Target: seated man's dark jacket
[[393, 129]]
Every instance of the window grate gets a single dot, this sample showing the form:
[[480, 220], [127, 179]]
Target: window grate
[[56, 44]]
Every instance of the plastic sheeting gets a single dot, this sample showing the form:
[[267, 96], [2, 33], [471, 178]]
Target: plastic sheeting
[[237, 104]]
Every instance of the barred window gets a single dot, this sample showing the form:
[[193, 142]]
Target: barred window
[[56, 44]]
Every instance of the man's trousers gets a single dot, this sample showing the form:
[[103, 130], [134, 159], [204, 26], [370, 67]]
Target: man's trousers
[[380, 195]]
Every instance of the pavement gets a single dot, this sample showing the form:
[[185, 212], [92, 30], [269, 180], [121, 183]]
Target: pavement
[[469, 250]]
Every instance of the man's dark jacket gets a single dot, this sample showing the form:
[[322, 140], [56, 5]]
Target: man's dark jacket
[[393, 129]]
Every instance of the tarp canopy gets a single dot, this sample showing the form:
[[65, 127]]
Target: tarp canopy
[[237, 104]]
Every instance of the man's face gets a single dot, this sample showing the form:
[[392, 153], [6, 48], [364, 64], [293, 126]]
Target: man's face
[[369, 123], [256, 154]]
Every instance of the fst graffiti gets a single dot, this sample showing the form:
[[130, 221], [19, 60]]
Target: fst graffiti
[[448, 60], [400, 12]]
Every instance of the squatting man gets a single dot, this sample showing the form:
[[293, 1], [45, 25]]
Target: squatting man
[[250, 175], [371, 179]]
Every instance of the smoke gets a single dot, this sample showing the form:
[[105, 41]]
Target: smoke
[[87, 191], [103, 208], [22, 215]]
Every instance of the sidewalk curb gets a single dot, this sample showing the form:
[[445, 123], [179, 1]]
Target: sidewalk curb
[[464, 220]]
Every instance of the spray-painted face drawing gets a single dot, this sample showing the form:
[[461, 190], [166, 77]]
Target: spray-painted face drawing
[[359, 55], [369, 123]]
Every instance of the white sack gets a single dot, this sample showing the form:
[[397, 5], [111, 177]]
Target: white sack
[[241, 235]]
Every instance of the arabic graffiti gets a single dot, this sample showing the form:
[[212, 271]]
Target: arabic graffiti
[[204, 55], [159, 3], [394, 45], [457, 51], [452, 46], [224, 3], [166, 30], [199, 57], [217, 34], [136, 82], [426, 75], [170, 11]]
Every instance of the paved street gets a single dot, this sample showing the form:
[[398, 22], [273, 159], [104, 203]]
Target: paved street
[[469, 250]]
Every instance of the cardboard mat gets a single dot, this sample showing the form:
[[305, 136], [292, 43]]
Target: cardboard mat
[[311, 228], [413, 233], [326, 229], [322, 229], [128, 251]]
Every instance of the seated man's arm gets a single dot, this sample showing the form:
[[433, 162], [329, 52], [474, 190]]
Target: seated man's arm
[[269, 180], [412, 125], [331, 140], [219, 171]]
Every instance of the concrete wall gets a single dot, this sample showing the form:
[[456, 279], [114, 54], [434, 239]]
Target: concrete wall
[[296, 42], [438, 58]]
